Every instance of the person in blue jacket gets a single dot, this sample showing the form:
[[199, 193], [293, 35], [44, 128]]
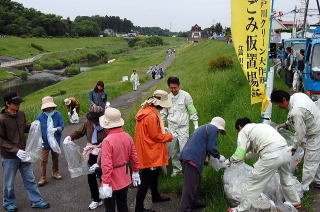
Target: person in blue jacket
[[97, 96], [202, 144], [51, 121]]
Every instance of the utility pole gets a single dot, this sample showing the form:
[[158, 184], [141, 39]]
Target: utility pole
[[305, 20], [294, 29]]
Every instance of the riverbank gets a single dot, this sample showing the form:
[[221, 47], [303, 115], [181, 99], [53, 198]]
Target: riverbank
[[80, 85]]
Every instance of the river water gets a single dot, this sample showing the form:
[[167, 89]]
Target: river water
[[35, 82]]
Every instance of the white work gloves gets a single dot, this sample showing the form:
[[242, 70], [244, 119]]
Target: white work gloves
[[52, 130], [69, 114], [105, 191], [108, 104], [196, 124], [175, 136], [22, 154], [92, 168], [290, 68], [136, 179], [227, 163], [67, 140], [222, 159], [281, 126]]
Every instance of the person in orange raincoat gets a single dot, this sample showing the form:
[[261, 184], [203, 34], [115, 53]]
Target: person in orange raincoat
[[150, 141]]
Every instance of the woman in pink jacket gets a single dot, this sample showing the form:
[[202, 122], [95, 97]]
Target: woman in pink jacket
[[117, 150]]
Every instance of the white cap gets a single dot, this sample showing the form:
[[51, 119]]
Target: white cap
[[220, 123]]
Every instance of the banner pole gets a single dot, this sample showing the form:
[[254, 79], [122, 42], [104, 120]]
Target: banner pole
[[266, 115]]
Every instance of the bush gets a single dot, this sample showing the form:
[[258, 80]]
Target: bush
[[221, 62], [102, 53], [38, 47], [154, 41], [66, 61], [72, 70], [92, 56], [23, 75], [141, 44], [132, 42], [37, 67], [52, 64]]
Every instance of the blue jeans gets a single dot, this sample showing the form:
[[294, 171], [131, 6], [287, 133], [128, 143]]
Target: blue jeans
[[10, 168]]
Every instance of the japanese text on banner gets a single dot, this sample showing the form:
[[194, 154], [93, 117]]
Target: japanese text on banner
[[250, 34]]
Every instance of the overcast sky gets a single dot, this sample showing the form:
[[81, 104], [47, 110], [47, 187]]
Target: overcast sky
[[177, 15]]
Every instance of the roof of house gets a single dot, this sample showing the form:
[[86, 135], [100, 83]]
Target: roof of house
[[196, 28], [287, 22]]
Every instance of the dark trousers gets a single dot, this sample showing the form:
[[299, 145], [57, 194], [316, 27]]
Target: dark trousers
[[92, 179], [149, 179], [119, 197], [191, 187], [289, 78]]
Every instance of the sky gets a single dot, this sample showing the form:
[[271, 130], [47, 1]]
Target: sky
[[176, 15]]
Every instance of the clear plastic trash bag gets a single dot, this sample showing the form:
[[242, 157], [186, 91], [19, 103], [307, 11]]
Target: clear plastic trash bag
[[77, 166], [52, 141], [298, 156], [216, 164], [272, 199], [34, 143], [74, 118]]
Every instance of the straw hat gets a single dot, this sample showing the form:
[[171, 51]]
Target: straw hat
[[159, 98], [67, 101], [111, 119], [220, 123], [47, 102]]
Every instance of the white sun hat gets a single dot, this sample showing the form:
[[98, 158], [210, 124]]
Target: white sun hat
[[67, 101], [47, 102], [111, 118], [220, 123]]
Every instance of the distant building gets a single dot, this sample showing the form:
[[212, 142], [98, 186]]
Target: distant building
[[288, 24], [196, 34], [109, 32]]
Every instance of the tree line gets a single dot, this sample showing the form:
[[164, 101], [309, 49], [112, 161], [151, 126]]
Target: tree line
[[17, 20]]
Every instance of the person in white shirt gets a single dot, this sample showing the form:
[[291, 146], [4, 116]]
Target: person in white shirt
[[178, 117], [304, 117], [134, 79], [263, 141]]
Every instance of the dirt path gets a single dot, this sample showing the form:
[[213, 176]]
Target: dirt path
[[72, 195]]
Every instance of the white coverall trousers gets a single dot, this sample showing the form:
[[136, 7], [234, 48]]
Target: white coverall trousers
[[176, 146], [263, 171], [135, 85], [311, 168]]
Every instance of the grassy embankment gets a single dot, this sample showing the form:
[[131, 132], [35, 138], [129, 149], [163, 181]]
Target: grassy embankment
[[111, 74], [222, 93]]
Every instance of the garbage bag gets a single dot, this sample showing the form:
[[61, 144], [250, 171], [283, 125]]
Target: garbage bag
[[74, 118], [34, 142], [216, 164], [52, 141], [298, 156], [235, 178], [77, 166]]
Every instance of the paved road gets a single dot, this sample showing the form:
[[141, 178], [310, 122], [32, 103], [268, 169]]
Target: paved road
[[68, 195]]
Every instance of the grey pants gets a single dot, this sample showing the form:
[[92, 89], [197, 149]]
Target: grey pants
[[191, 187]]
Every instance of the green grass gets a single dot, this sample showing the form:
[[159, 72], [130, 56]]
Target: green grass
[[4, 75], [224, 93], [80, 85], [21, 47]]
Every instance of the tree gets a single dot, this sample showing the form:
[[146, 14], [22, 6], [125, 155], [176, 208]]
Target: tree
[[39, 32], [87, 28], [218, 28]]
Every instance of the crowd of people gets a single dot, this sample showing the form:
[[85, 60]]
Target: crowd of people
[[110, 150]]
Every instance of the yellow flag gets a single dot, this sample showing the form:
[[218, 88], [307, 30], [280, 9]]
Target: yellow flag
[[250, 35]]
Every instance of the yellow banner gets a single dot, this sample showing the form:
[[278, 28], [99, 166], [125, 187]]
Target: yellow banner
[[250, 35]]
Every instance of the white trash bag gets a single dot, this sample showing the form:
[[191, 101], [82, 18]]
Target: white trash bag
[[216, 164], [34, 143], [77, 166], [52, 141], [74, 118]]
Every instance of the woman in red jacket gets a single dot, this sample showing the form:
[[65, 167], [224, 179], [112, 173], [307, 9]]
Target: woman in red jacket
[[117, 151]]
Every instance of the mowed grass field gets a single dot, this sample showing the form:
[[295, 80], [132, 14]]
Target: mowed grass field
[[111, 74], [224, 93], [21, 48]]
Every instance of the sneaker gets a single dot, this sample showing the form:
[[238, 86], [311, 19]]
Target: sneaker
[[10, 208], [42, 181], [93, 205], [232, 210], [198, 205], [41, 205], [56, 176]]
